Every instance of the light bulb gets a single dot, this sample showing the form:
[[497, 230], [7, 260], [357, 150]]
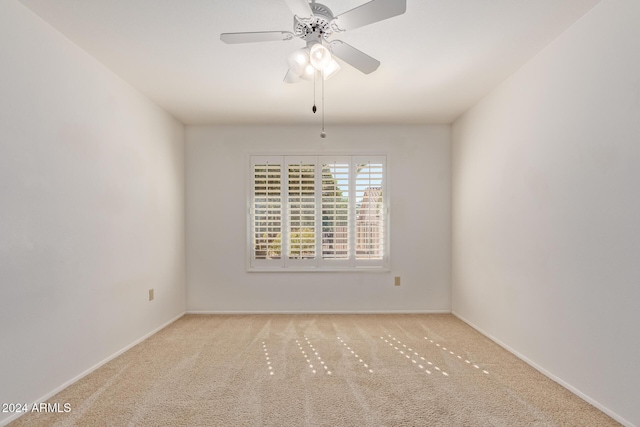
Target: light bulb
[[319, 56], [308, 72]]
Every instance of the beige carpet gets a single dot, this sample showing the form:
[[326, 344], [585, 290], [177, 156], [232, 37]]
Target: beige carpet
[[318, 370]]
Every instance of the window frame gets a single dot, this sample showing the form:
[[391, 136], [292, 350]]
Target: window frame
[[319, 263]]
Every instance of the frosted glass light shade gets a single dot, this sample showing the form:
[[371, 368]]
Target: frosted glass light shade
[[291, 77], [298, 61], [319, 56], [332, 68], [308, 72]]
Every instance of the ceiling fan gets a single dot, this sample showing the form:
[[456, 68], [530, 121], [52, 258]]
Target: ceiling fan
[[315, 24]]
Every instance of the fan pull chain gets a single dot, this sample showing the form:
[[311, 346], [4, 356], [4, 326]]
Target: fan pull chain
[[314, 109], [323, 134]]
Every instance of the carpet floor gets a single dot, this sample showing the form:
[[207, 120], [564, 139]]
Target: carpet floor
[[318, 370]]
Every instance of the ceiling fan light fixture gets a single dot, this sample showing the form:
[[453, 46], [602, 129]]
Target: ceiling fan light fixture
[[298, 61], [331, 69], [291, 77], [319, 56], [308, 72]]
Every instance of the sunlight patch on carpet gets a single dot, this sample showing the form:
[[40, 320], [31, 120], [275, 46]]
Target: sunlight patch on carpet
[[355, 354], [413, 356], [267, 358], [451, 352]]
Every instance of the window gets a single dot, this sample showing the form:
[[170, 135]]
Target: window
[[318, 213]]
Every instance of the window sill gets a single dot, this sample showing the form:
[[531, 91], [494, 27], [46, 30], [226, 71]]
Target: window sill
[[318, 270]]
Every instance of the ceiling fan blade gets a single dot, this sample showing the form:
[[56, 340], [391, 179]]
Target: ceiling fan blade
[[300, 8], [368, 13], [354, 57], [262, 36]]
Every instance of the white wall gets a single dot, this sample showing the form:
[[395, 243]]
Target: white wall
[[546, 210], [91, 210], [419, 187]]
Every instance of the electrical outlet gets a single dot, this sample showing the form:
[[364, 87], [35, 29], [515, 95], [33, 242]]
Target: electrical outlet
[[396, 281], [150, 294]]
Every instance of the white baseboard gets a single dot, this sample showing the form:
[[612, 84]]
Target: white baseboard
[[324, 312], [548, 374], [88, 371]]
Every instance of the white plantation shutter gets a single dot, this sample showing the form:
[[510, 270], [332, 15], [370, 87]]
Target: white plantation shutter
[[318, 212], [266, 224], [335, 209], [301, 208], [369, 194]]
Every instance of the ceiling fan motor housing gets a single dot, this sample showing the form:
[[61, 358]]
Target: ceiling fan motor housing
[[316, 28]]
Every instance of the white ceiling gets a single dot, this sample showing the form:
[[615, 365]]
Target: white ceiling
[[437, 59]]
